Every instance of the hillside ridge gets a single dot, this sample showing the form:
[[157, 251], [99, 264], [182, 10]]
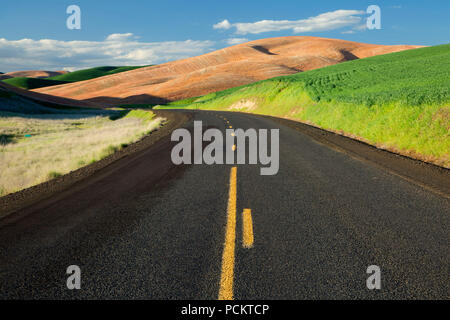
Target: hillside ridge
[[218, 70]]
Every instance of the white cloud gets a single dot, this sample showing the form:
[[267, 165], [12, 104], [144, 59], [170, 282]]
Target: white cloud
[[116, 49], [233, 41], [357, 28], [323, 22], [225, 24], [361, 27], [120, 37]]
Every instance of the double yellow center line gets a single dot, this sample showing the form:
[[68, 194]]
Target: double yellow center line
[[227, 275]]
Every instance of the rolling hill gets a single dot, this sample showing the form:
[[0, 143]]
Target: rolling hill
[[32, 83], [92, 73], [39, 74], [57, 78], [8, 90], [218, 70], [398, 101]]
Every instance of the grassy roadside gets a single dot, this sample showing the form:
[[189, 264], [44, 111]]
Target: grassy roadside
[[34, 149], [398, 101]]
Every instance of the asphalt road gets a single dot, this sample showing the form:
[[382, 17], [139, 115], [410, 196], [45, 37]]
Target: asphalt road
[[143, 228]]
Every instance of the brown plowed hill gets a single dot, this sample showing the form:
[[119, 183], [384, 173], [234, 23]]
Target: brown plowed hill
[[218, 70], [33, 74]]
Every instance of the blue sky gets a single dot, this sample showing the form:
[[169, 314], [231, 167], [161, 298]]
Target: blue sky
[[34, 34]]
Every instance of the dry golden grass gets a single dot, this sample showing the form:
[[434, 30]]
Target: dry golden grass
[[60, 144]]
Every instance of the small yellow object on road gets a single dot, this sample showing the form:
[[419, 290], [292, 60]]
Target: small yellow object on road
[[247, 229]]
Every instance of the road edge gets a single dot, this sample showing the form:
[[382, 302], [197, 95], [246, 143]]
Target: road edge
[[18, 200], [427, 175]]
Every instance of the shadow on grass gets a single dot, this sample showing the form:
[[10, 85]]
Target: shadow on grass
[[19, 106], [136, 100], [6, 139]]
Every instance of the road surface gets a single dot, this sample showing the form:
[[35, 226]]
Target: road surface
[[143, 228]]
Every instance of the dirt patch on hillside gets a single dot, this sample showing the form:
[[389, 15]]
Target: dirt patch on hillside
[[443, 115], [243, 105]]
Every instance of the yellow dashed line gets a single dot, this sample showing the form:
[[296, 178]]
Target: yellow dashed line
[[247, 229], [233, 147], [226, 278]]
